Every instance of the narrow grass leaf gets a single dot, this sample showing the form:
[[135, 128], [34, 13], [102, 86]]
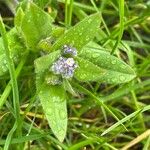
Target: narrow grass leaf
[[17, 50], [146, 108]]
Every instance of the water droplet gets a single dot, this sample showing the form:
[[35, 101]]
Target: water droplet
[[56, 99], [123, 66], [41, 92], [49, 111], [114, 62], [87, 38], [4, 69], [113, 80], [80, 33], [53, 123], [90, 20], [94, 55], [108, 57], [61, 132], [62, 114], [122, 78], [108, 80], [5, 62]]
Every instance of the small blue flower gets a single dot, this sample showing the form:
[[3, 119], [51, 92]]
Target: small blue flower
[[64, 66], [69, 50]]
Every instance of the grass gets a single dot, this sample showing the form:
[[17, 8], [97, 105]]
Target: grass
[[102, 116]]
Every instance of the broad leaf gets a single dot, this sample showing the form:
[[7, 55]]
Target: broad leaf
[[88, 71], [80, 34], [52, 97], [36, 25], [117, 71], [42, 3], [54, 105], [43, 63]]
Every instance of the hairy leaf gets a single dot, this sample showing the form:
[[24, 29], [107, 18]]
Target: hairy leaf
[[36, 25], [54, 105], [88, 71], [43, 63], [80, 34], [116, 71]]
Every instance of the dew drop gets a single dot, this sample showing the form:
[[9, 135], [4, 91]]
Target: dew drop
[[49, 111], [61, 132], [122, 78], [4, 69], [94, 55], [87, 38], [5, 62], [114, 62], [80, 33], [113, 80], [57, 100], [123, 66], [53, 123], [62, 114], [107, 57], [108, 80], [90, 20]]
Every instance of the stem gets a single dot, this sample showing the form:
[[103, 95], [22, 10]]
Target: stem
[[7, 90], [121, 26], [98, 101], [12, 77], [68, 12]]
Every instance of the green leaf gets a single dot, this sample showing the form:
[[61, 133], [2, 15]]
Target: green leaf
[[69, 88], [87, 71], [43, 63], [17, 50], [53, 101], [80, 34], [42, 3], [18, 18], [117, 71], [46, 44], [36, 25], [52, 97]]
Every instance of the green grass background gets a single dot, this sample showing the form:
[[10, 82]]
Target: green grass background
[[125, 31]]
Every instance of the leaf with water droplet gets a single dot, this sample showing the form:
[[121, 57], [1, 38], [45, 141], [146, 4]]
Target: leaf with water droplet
[[116, 71], [36, 25], [87, 71], [80, 34], [43, 63], [18, 18], [53, 101]]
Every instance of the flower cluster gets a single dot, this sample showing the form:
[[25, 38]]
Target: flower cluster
[[65, 66], [69, 50]]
